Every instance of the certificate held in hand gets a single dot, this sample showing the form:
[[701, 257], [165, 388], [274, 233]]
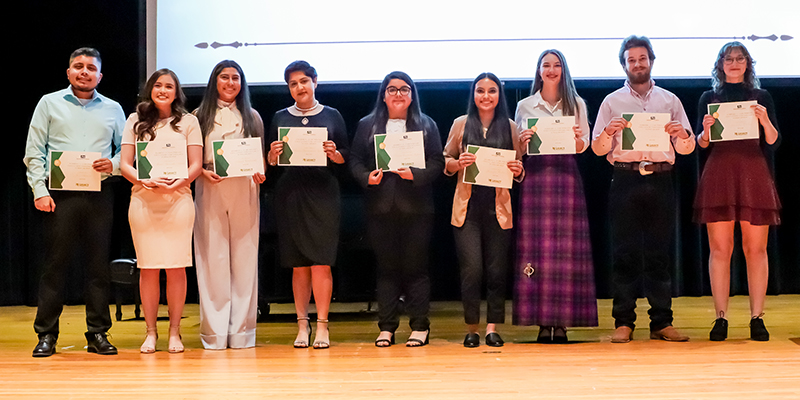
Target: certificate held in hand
[[162, 159], [400, 150], [645, 132], [303, 147], [490, 167], [238, 157], [72, 170], [733, 121], [551, 135]]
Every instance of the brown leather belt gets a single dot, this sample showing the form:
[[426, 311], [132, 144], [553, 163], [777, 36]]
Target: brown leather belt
[[644, 167]]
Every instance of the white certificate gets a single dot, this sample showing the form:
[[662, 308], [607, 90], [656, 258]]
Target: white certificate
[[162, 159], [303, 147], [72, 170], [552, 135], [645, 132], [490, 167], [400, 150], [733, 121], [238, 157]]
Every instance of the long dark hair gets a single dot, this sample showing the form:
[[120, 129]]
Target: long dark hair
[[380, 114], [718, 72], [147, 111], [208, 106], [499, 133], [566, 88]]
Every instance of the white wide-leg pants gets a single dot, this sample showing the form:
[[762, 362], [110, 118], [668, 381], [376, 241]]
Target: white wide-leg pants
[[226, 233]]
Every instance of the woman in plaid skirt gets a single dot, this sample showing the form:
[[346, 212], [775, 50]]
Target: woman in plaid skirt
[[553, 272]]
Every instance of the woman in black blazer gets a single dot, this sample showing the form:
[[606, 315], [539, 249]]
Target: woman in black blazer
[[400, 208]]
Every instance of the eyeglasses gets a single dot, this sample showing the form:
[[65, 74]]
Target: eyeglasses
[[405, 90], [739, 60]]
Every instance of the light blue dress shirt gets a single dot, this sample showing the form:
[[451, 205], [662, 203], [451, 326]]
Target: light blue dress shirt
[[60, 122]]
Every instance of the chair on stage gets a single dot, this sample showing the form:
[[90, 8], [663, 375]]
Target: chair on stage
[[125, 273]]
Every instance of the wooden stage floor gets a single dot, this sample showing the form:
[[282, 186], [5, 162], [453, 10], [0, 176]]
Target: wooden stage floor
[[588, 368]]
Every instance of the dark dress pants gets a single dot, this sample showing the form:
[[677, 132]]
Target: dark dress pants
[[482, 248], [77, 235], [401, 243], [642, 212]]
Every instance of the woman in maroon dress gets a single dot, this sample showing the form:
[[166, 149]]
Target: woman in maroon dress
[[737, 185]]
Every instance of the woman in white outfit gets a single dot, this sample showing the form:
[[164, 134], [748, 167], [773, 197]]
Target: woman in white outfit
[[227, 220], [161, 212]]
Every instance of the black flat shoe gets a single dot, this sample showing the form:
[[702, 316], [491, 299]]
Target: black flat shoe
[[98, 343], [758, 331], [720, 330], [494, 340], [46, 346], [472, 340], [560, 335], [545, 335]]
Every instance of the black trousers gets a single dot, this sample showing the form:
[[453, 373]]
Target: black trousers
[[77, 235], [401, 242], [482, 248], [642, 211]]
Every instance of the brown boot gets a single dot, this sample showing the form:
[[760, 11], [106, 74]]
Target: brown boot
[[669, 334], [622, 334]]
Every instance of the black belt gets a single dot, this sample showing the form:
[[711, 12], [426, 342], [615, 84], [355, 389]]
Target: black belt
[[644, 167]]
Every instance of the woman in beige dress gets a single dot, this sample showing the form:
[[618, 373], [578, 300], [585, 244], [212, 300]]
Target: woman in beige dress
[[161, 212]]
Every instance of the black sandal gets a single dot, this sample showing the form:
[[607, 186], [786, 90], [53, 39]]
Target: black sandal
[[385, 342], [414, 342]]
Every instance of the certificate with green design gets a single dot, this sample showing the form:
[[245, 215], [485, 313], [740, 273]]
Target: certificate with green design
[[551, 135], [303, 147], [733, 121], [646, 132], [490, 167], [72, 170], [162, 159], [238, 157], [400, 150]]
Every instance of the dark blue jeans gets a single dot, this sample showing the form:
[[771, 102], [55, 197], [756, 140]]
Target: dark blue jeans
[[642, 212]]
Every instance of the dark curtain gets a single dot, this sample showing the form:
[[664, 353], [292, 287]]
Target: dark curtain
[[115, 28]]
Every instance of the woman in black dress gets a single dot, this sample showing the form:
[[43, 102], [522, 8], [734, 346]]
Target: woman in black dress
[[308, 204], [400, 208], [737, 185]]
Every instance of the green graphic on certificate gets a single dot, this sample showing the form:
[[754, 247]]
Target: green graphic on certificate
[[143, 166], [383, 158], [471, 172], [717, 128], [286, 155], [627, 133], [56, 175], [220, 163], [536, 142]]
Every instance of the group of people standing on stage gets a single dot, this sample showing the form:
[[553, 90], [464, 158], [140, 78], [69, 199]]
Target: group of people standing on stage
[[552, 268]]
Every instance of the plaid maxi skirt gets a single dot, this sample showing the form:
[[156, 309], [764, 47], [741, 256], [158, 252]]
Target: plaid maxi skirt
[[553, 269]]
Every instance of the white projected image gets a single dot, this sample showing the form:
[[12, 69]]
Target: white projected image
[[356, 41]]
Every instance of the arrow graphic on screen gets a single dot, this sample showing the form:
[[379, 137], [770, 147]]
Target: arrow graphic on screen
[[216, 45]]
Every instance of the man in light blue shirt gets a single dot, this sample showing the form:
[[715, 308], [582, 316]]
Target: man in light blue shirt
[[76, 223]]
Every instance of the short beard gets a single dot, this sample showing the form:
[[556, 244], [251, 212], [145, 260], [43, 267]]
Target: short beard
[[638, 79]]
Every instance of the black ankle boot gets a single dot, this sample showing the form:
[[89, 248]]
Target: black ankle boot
[[720, 330]]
